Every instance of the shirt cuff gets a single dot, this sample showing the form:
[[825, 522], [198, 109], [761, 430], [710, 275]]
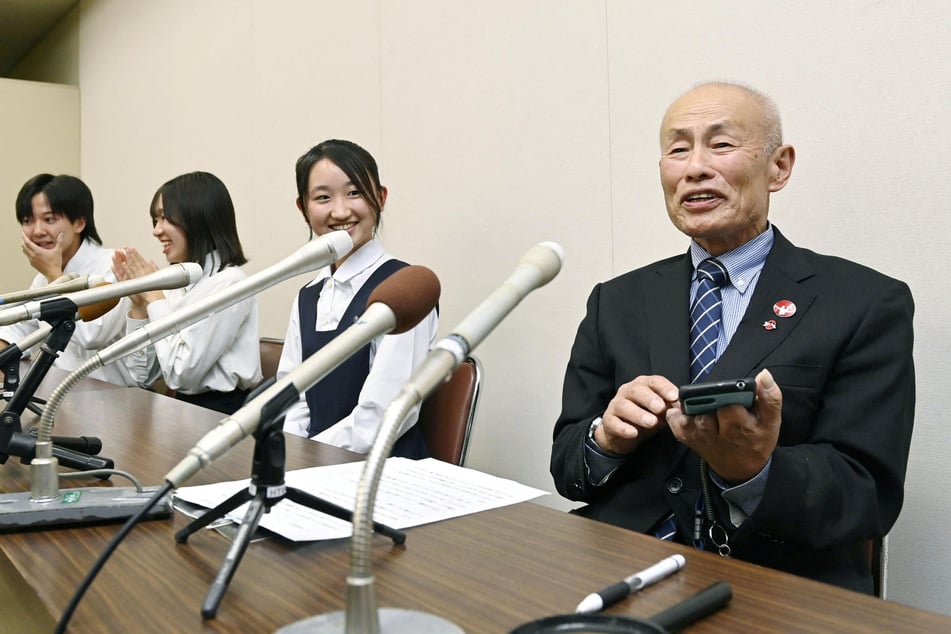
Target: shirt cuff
[[599, 464], [743, 499]]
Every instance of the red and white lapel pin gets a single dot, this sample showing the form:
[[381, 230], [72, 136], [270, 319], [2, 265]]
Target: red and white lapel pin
[[783, 308]]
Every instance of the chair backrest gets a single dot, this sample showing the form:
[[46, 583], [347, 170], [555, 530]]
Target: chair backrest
[[876, 552], [446, 417], [270, 356]]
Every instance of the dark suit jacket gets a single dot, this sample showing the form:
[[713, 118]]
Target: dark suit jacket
[[844, 364]]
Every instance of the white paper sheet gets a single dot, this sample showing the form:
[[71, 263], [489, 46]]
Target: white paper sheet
[[411, 493]]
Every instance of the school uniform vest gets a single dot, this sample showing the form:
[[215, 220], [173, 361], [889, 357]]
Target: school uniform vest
[[336, 395]]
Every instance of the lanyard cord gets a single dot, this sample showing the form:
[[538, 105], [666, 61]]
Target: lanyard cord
[[717, 534]]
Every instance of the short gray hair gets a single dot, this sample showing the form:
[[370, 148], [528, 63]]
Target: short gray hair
[[770, 120]]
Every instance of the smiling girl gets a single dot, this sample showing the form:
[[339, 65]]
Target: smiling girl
[[60, 237], [339, 189], [216, 361]]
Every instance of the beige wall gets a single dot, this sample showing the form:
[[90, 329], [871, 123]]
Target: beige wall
[[503, 123], [40, 133]]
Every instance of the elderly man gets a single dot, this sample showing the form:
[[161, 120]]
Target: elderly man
[[815, 467]]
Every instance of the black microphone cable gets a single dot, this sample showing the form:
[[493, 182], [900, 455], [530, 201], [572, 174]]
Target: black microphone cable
[[164, 490]]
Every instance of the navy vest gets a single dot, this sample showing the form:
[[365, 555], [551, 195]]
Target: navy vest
[[336, 395]]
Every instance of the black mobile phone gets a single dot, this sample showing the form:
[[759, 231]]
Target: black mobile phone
[[698, 398]]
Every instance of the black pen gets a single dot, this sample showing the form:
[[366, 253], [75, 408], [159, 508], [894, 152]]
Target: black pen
[[620, 590]]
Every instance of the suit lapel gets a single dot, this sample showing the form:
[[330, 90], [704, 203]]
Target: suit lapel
[[761, 329], [667, 298]]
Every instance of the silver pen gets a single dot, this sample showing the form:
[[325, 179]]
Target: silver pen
[[622, 589]]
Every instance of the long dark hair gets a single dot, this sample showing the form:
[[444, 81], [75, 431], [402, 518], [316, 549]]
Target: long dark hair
[[199, 204]]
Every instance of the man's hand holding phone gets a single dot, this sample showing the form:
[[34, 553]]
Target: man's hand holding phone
[[735, 438], [699, 398]]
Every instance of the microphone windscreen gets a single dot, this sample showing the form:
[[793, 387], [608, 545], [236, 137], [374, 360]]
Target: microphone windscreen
[[547, 257], [411, 293], [97, 310]]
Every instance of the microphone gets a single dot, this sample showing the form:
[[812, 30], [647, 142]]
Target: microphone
[[399, 303], [97, 310], [65, 284], [538, 266], [396, 304], [317, 253], [57, 317], [175, 276], [65, 277], [323, 251], [13, 352]]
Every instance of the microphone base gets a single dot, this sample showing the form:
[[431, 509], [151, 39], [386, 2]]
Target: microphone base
[[18, 512], [392, 621]]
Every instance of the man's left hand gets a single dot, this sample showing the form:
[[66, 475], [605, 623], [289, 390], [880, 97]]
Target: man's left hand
[[736, 442]]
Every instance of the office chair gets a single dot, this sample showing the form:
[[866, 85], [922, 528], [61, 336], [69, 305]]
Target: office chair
[[875, 551], [270, 356], [446, 417]]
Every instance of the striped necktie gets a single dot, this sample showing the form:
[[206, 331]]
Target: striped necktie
[[705, 317]]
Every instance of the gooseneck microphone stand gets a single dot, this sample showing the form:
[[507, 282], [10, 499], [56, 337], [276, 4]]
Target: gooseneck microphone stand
[[44, 505], [10, 358], [74, 453], [266, 489]]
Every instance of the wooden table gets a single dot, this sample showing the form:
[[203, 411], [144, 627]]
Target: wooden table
[[487, 572]]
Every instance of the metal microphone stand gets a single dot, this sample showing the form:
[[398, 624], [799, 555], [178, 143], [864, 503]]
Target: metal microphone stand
[[10, 366], [266, 489], [12, 439]]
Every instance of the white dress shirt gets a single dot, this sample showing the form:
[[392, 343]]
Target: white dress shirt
[[89, 337], [221, 352], [392, 357]]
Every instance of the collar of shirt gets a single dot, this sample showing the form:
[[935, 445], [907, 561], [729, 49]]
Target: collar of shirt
[[339, 289], [211, 264], [208, 268], [358, 262], [743, 263], [86, 260]]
